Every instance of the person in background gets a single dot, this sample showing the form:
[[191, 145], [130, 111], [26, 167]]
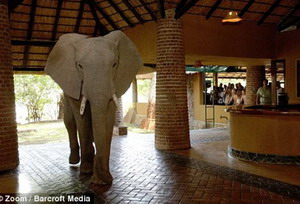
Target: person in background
[[279, 89], [243, 97], [238, 98], [263, 94], [228, 97]]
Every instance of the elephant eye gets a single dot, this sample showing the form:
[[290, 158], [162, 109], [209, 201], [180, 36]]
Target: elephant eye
[[115, 64], [78, 65]]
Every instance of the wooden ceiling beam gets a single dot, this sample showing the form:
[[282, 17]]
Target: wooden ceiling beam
[[28, 69], [79, 16], [146, 7], [180, 5], [29, 31], [33, 43], [107, 18], [58, 11], [31, 20], [290, 14], [294, 22], [12, 4], [213, 9], [161, 8], [99, 26], [266, 14], [135, 13], [118, 10], [184, 9], [245, 9]]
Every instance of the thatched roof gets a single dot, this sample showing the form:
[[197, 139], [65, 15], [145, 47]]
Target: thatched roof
[[37, 24]]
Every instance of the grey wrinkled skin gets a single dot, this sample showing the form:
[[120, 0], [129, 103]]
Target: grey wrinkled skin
[[95, 68]]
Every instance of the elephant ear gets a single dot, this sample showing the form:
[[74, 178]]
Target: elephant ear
[[61, 65], [129, 61]]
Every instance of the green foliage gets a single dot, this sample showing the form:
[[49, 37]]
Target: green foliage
[[34, 92], [143, 89]]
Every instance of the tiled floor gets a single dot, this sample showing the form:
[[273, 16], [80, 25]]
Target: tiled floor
[[143, 174]]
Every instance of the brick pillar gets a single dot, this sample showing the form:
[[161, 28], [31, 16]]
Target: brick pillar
[[8, 130], [255, 76], [273, 80], [134, 93], [171, 116], [119, 114]]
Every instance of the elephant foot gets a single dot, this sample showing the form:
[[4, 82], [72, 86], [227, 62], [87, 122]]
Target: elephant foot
[[74, 158], [102, 182], [86, 168]]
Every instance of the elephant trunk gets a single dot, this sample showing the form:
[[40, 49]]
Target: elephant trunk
[[103, 120]]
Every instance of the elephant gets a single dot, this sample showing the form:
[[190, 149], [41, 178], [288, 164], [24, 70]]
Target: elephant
[[93, 72]]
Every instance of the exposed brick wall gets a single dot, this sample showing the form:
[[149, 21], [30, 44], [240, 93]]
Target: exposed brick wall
[[8, 131], [190, 95], [172, 123], [149, 122], [119, 113], [255, 76]]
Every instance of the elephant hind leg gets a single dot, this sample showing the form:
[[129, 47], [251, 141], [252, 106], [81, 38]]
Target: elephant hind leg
[[70, 124]]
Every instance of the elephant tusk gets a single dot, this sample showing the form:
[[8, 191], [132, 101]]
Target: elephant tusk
[[82, 105], [115, 98]]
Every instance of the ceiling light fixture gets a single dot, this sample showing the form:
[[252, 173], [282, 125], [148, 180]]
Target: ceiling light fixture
[[232, 16]]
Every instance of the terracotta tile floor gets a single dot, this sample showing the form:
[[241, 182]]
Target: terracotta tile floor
[[142, 174]]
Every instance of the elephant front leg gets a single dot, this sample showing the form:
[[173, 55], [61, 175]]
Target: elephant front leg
[[85, 130], [70, 124], [103, 122]]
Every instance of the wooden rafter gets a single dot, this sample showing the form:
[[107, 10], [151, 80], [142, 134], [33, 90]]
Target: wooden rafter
[[146, 7], [28, 69], [58, 11], [12, 4], [29, 31], [129, 23], [31, 21], [33, 43], [99, 26], [290, 14], [184, 9], [79, 16], [295, 21], [274, 5], [107, 18], [180, 5], [161, 8], [132, 9], [245, 9], [213, 9]]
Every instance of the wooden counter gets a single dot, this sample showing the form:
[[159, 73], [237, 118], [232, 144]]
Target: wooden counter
[[265, 134]]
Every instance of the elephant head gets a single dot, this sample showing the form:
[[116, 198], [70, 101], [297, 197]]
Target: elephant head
[[76, 60], [97, 68]]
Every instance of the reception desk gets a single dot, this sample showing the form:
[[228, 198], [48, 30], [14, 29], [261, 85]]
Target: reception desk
[[268, 134]]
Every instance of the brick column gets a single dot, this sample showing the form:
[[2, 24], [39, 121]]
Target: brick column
[[171, 117], [119, 113], [255, 76], [134, 93], [8, 130], [273, 80]]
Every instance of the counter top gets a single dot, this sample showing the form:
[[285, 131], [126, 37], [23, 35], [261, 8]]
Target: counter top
[[266, 110]]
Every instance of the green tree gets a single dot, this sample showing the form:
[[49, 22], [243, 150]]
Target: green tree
[[34, 92], [143, 89]]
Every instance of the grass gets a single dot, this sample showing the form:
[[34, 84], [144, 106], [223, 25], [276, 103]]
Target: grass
[[136, 129], [42, 132], [53, 131]]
